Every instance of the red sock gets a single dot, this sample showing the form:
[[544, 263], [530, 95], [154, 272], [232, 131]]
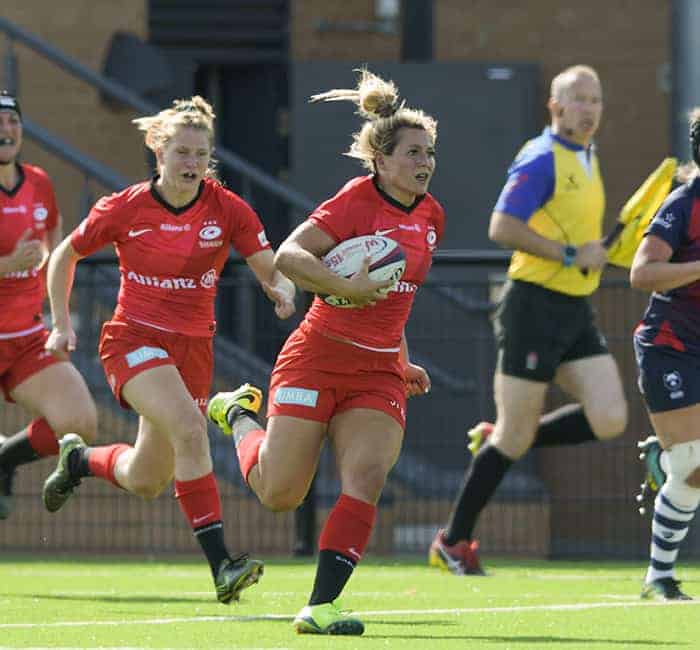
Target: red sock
[[248, 450], [101, 461], [348, 527], [42, 438], [199, 500]]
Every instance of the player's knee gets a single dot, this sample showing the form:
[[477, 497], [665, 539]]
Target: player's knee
[[281, 499], [683, 484], [147, 487], [190, 436], [609, 422], [368, 480]]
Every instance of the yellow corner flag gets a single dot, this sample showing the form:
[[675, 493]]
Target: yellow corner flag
[[638, 212]]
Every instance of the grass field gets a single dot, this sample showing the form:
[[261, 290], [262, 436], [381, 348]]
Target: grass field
[[79, 603]]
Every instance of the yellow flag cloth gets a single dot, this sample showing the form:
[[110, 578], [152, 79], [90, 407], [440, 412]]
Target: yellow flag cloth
[[638, 212]]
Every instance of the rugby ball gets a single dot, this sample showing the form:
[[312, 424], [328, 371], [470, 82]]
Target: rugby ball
[[386, 262]]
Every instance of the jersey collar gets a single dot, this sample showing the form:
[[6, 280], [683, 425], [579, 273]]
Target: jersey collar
[[397, 204], [17, 186], [171, 208]]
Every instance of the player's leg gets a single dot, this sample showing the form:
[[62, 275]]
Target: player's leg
[[519, 403], [57, 396], [366, 444], [601, 411], [675, 503]]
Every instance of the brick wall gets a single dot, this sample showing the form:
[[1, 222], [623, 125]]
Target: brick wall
[[66, 106]]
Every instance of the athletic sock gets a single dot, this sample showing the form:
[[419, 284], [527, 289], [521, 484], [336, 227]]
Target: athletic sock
[[96, 461], [342, 542], [482, 478], [200, 502], [37, 440], [668, 529], [566, 426]]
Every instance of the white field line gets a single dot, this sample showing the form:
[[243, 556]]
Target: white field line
[[577, 607]]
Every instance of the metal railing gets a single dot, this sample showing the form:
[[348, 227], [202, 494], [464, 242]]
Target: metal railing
[[116, 91]]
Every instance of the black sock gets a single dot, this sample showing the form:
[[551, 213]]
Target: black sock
[[211, 539], [565, 426], [332, 573], [480, 482], [78, 466], [17, 450]]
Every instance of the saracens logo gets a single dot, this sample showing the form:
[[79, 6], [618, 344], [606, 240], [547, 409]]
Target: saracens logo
[[208, 279], [431, 238], [40, 212], [210, 230]]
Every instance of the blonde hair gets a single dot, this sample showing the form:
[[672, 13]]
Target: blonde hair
[[378, 103], [195, 113], [690, 170], [562, 82]]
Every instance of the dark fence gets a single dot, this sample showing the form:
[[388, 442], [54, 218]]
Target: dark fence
[[557, 502]]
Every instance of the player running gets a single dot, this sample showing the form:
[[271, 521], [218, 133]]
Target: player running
[[172, 237], [47, 386], [344, 374]]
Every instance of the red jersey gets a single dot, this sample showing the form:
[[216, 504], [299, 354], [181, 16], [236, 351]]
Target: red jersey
[[30, 205], [170, 258], [361, 208]]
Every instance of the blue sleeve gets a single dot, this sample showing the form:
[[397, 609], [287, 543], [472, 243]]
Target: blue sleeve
[[671, 222], [529, 186]]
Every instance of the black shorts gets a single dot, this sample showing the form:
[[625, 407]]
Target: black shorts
[[668, 379], [537, 330]]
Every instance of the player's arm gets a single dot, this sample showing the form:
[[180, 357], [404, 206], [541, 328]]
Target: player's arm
[[277, 287], [299, 259], [27, 254], [415, 376], [59, 284], [652, 269]]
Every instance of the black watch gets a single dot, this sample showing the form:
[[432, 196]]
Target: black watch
[[569, 255]]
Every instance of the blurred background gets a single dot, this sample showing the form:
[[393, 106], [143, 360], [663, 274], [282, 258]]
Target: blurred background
[[482, 68]]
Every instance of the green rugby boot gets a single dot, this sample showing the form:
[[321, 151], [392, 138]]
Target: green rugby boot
[[654, 477], [244, 398], [327, 618], [478, 435], [59, 486], [234, 575]]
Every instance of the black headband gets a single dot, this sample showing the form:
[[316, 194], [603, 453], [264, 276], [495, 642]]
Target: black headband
[[9, 103]]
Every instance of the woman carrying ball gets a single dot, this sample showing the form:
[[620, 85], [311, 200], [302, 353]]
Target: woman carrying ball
[[344, 373]]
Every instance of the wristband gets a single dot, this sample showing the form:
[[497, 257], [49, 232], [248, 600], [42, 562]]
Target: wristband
[[569, 255]]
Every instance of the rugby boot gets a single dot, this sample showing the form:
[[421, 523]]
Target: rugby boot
[[461, 559], [59, 486], [664, 589], [244, 398], [478, 435], [654, 477], [327, 618], [234, 575]]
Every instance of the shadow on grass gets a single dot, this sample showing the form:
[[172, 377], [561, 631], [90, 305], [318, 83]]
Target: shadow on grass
[[514, 640]]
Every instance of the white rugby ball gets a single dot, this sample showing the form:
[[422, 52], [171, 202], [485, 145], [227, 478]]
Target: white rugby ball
[[386, 262]]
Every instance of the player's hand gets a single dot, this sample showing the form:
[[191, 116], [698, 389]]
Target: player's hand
[[28, 253], [417, 380], [61, 342], [282, 295], [591, 255], [363, 291]]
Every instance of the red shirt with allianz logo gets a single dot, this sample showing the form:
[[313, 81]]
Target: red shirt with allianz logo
[[170, 258]]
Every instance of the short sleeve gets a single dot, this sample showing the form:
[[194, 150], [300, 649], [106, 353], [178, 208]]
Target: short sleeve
[[248, 234], [529, 186], [670, 223], [51, 205], [330, 217], [99, 228]]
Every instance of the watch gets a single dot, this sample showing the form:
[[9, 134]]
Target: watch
[[569, 255]]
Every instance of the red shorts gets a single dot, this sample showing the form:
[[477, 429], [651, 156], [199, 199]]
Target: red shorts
[[128, 348], [21, 357], [316, 377]]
